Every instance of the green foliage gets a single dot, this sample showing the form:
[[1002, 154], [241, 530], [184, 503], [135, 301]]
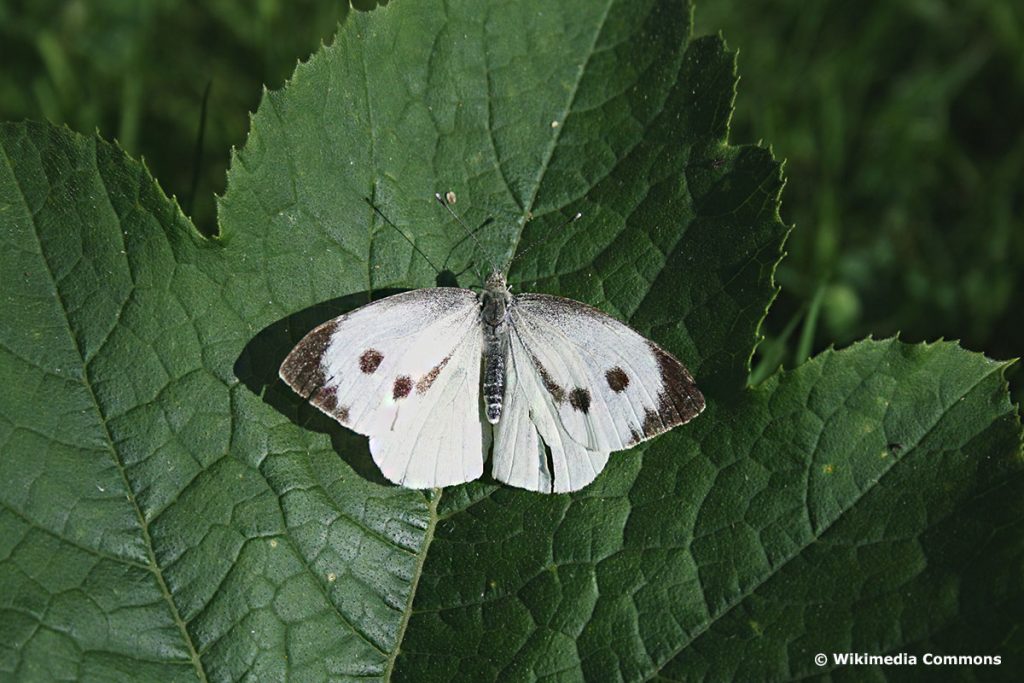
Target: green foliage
[[169, 510], [137, 72], [902, 124]]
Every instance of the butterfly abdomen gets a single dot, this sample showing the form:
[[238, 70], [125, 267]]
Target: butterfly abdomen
[[495, 349]]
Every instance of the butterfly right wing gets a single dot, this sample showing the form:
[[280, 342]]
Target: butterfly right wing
[[404, 371], [585, 385], [608, 386], [531, 448]]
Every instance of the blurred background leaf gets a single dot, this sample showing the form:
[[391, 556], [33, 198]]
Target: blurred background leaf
[[136, 70], [902, 125]]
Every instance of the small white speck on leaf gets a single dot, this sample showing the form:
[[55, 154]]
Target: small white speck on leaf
[[450, 197], [554, 124]]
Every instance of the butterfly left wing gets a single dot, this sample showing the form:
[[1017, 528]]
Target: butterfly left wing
[[438, 440], [404, 371], [607, 385]]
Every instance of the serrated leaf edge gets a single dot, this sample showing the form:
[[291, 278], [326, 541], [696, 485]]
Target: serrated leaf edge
[[152, 565], [891, 342]]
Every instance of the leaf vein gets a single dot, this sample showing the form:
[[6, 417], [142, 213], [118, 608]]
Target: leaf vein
[[744, 594], [407, 612], [154, 568], [571, 100]]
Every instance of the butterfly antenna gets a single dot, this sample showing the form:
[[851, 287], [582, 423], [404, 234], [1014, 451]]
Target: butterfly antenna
[[402, 233], [464, 238], [471, 233], [578, 215]]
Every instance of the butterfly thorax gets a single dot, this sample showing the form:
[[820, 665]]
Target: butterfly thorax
[[494, 302]]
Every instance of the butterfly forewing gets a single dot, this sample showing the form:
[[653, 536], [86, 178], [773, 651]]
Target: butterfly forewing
[[609, 386], [437, 439], [404, 371]]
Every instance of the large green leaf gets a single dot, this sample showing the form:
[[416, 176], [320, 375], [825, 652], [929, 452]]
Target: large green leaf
[[169, 510]]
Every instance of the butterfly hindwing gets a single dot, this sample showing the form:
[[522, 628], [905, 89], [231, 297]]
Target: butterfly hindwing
[[438, 440], [404, 371], [531, 449], [608, 385]]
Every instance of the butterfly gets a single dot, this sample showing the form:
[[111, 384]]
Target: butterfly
[[439, 377]]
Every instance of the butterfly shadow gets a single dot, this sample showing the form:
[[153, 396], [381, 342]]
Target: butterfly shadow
[[257, 367]]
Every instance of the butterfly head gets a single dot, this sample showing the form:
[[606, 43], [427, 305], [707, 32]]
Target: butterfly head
[[496, 282]]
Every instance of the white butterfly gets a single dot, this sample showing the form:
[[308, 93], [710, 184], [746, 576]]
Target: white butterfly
[[563, 385]]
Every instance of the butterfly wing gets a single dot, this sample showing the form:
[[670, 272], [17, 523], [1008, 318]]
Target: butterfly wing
[[607, 385], [405, 371], [531, 449]]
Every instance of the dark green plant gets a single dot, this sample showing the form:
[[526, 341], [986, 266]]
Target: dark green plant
[[137, 71], [168, 510], [902, 124]]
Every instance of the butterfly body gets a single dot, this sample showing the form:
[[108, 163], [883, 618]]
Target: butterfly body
[[494, 303], [436, 377]]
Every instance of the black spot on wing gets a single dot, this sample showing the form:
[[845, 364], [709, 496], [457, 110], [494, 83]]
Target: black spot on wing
[[427, 380], [617, 379], [402, 387], [303, 368], [370, 361], [553, 388], [579, 399], [679, 400]]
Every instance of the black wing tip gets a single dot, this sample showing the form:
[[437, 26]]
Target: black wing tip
[[679, 400], [302, 370]]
